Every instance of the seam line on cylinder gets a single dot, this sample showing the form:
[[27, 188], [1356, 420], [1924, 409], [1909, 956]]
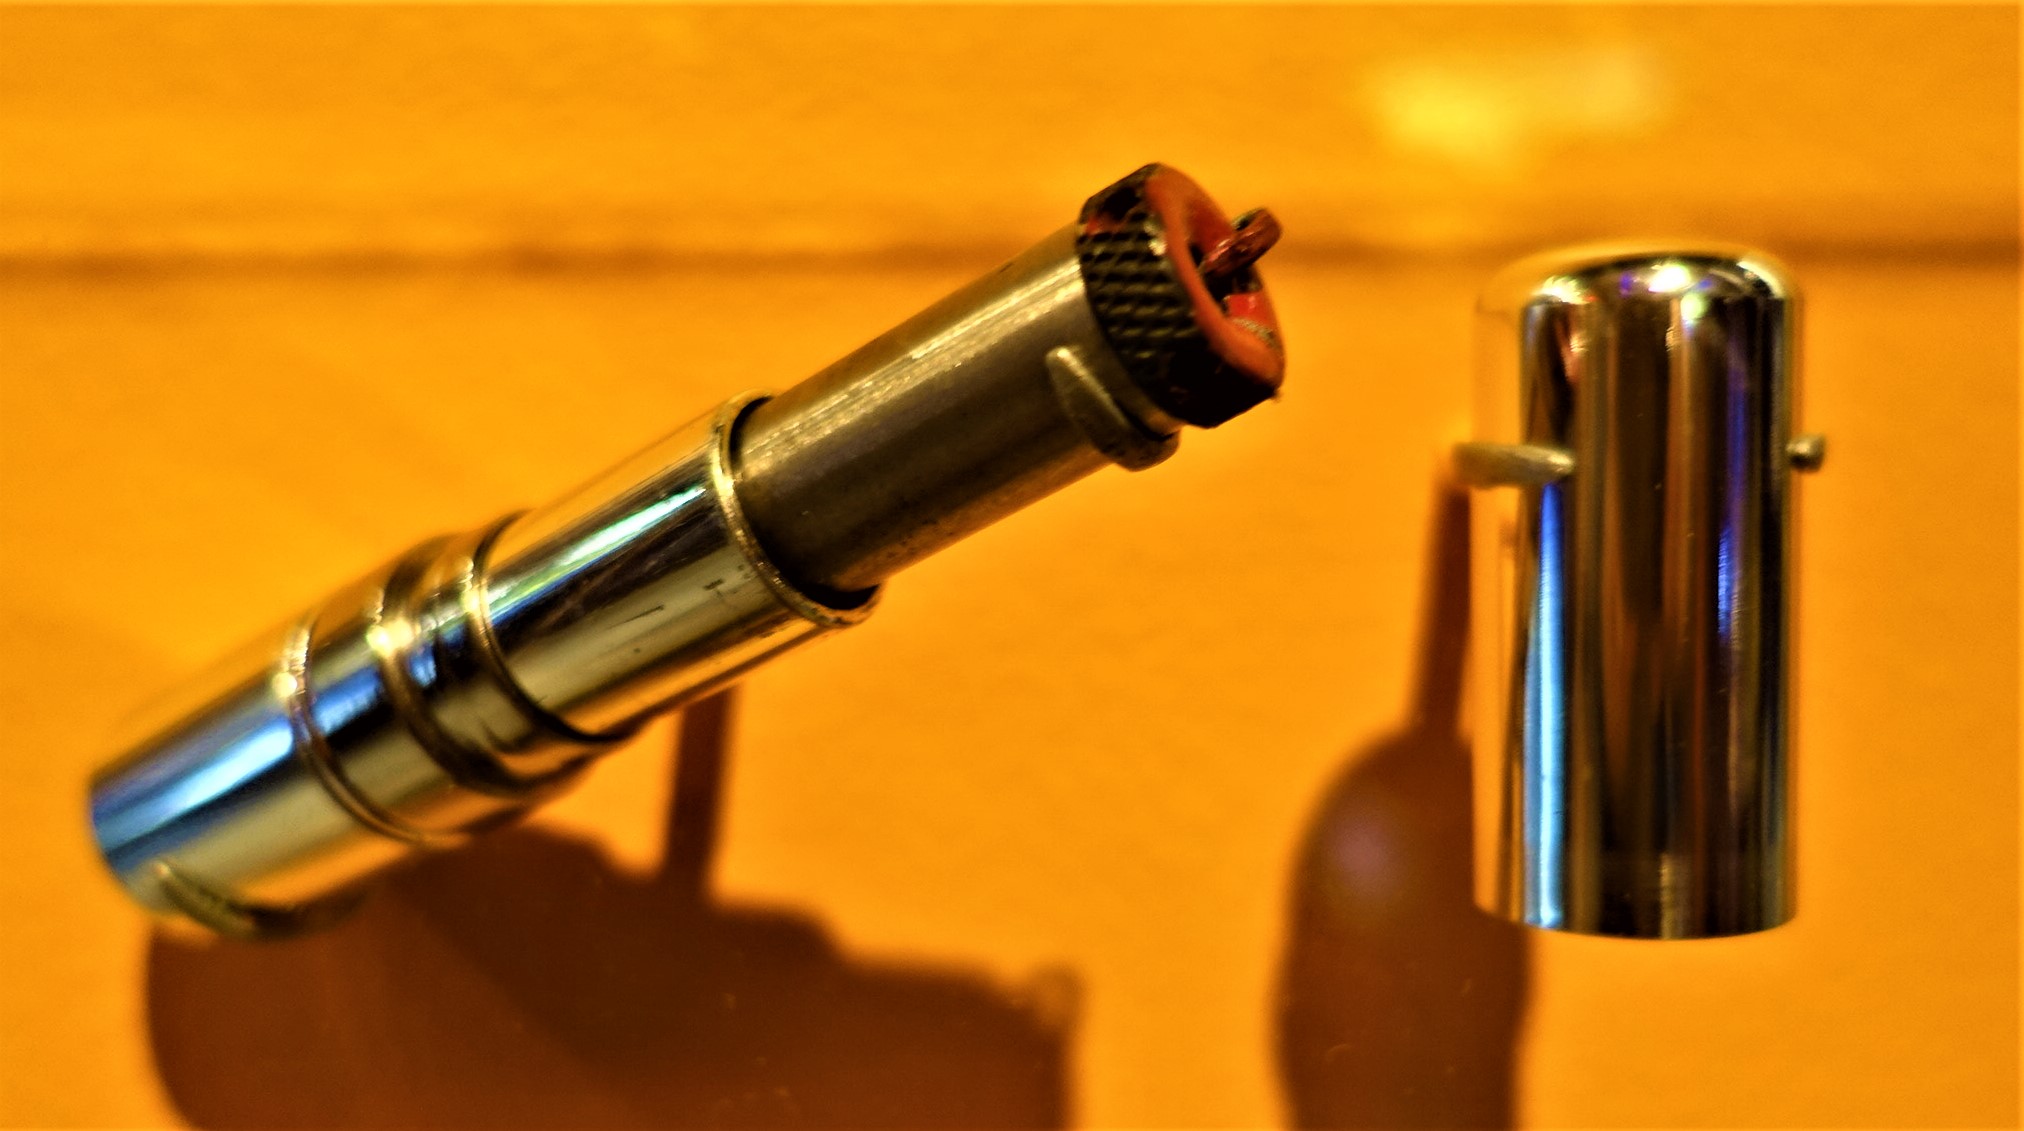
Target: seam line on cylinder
[[476, 599], [724, 489], [405, 590], [315, 752]]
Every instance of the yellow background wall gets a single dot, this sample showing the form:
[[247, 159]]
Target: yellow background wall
[[1059, 835]]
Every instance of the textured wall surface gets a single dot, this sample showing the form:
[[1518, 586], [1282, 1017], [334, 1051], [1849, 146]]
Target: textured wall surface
[[1144, 808]]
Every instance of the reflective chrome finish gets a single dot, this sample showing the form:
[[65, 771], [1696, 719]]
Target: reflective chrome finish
[[474, 676], [1631, 592], [647, 587], [450, 690], [330, 751]]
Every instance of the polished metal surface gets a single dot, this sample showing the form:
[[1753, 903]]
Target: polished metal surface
[[1634, 453], [452, 689], [475, 676], [646, 587], [332, 749], [943, 426]]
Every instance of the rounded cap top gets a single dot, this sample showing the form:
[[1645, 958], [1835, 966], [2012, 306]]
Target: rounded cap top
[[1625, 271]]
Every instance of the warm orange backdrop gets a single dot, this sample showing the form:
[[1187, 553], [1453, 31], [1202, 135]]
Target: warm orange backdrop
[[1056, 836]]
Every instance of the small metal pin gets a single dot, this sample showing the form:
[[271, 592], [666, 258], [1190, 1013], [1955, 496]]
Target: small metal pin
[[1511, 465], [1808, 452]]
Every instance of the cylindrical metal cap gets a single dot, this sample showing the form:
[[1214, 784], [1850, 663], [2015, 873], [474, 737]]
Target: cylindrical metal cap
[[1631, 592]]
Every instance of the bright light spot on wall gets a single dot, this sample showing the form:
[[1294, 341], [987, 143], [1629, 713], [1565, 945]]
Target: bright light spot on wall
[[1504, 113]]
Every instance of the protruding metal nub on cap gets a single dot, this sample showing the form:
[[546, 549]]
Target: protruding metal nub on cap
[[1173, 285], [1631, 575]]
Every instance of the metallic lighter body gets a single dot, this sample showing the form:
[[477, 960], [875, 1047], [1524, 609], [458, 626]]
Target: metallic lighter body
[[451, 689], [1632, 588], [474, 676]]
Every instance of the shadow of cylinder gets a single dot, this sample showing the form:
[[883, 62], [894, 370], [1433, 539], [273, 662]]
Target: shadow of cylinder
[[524, 981], [1399, 1002]]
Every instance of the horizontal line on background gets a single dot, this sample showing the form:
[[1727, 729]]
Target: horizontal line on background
[[535, 259], [47, 236]]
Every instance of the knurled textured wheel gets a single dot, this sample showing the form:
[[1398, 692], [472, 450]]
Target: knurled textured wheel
[[1138, 255]]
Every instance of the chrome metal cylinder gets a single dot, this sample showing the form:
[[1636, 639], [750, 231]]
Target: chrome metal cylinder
[[473, 677], [451, 690], [1631, 591], [647, 587]]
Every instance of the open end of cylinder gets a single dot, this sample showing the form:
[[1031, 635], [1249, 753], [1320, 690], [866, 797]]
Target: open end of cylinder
[[1094, 347], [1173, 285]]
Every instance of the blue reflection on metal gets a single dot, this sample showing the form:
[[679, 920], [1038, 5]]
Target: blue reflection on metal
[[1725, 540], [1735, 412], [340, 702], [150, 811], [1546, 723], [520, 590], [421, 662], [1737, 488]]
